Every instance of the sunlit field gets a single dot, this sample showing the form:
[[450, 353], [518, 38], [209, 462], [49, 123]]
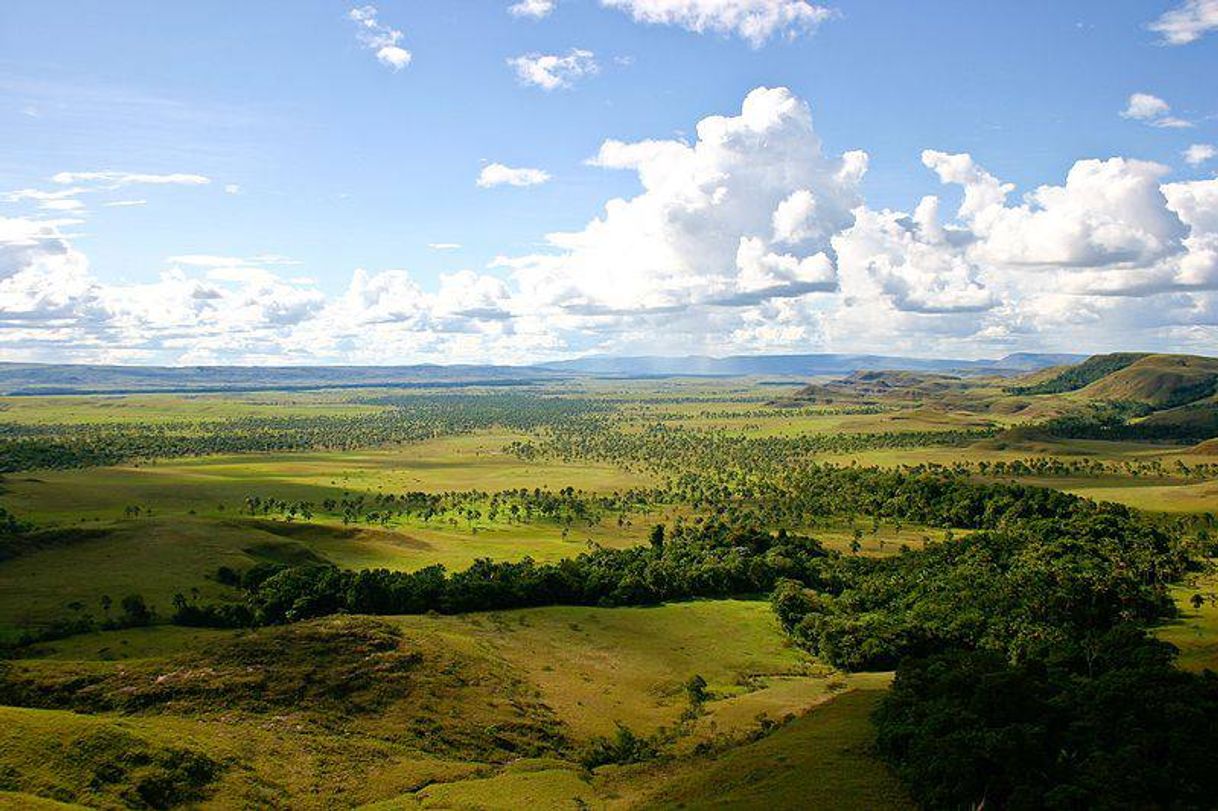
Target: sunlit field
[[725, 691]]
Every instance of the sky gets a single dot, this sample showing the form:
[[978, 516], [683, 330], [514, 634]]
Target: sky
[[474, 181]]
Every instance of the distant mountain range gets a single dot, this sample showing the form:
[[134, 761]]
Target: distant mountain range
[[800, 365], [32, 378]]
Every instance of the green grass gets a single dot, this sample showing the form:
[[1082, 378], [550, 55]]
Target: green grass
[[175, 487], [164, 555], [492, 691], [363, 735], [188, 536], [1195, 633], [523, 785], [1183, 497], [599, 666], [59, 755], [162, 408], [153, 642], [822, 760]]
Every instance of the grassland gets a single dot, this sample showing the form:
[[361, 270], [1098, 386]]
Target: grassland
[[164, 408], [1195, 633], [398, 743], [481, 710]]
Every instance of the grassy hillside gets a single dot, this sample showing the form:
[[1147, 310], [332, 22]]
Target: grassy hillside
[[485, 710], [1161, 381], [1080, 375]]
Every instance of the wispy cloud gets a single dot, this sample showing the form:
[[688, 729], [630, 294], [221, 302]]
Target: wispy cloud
[[754, 21], [115, 180], [550, 71], [379, 38], [532, 8], [1187, 23], [496, 174]]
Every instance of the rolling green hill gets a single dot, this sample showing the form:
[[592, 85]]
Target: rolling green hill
[[1160, 381], [1083, 374]]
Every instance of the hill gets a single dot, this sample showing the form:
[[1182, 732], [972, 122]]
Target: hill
[[38, 378], [1083, 374], [1160, 381], [800, 365], [884, 385]]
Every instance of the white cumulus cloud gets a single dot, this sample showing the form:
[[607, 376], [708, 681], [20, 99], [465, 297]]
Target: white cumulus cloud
[[1153, 111], [701, 231], [747, 237], [1197, 154]]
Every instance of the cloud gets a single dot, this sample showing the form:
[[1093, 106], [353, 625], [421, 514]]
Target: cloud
[[117, 180], [747, 237], [213, 308], [909, 264], [1109, 212], [81, 183], [532, 8], [496, 174], [58, 200], [444, 246], [701, 230], [1187, 23], [207, 260], [754, 21], [1111, 230], [379, 38], [550, 71], [1153, 111], [232, 188], [1197, 154]]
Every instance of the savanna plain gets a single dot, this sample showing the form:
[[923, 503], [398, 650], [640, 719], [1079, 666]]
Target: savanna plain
[[881, 590]]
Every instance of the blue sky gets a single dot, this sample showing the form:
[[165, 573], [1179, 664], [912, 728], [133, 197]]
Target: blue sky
[[318, 151]]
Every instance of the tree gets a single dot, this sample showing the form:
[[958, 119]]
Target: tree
[[136, 612], [657, 537], [695, 689]]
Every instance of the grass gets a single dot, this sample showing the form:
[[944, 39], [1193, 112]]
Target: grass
[[822, 760], [188, 535], [441, 732], [161, 556], [498, 704], [175, 487], [1190, 497], [152, 642], [523, 785], [596, 667], [64, 756], [162, 408], [1195, 633]]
